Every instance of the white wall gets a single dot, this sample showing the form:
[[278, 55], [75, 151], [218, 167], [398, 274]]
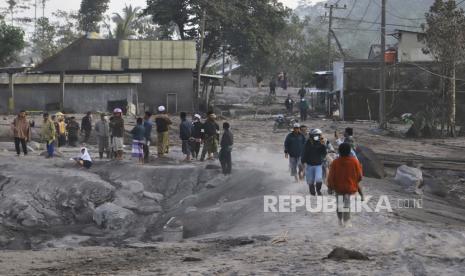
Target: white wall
[[410, 49]]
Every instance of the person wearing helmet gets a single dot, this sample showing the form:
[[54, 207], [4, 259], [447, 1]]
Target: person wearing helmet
[[197, 135], [117, 132], [313, 157], [163, 123], [293, 148]]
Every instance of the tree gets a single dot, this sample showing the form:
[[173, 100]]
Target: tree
[[249, 28], [67, 28], [16, 7], [11, 43], [126, 23], [44, 39], [445, 38], [91, 13]]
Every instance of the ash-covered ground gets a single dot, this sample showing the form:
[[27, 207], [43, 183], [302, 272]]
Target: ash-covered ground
[[56, 219]]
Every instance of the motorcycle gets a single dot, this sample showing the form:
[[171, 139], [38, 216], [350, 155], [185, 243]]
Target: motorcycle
[[283, 122]]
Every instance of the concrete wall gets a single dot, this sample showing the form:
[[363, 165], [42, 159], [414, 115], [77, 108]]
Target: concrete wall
[[157, 84], [81, 98]]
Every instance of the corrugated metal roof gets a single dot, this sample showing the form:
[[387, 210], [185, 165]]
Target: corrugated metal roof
[[75, 79]]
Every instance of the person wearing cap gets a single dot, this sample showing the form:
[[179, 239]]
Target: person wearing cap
[[148, 126], [313, 157], [117, 133], [21, 132], [102, 130], [185, 134], [86, 126], [293, 148], [211, 133], [163, 123], [303, 106], [72, 128], [48, 134], [197, 135], [227, 141]]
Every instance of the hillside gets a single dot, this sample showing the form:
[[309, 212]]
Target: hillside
[[357, 26]]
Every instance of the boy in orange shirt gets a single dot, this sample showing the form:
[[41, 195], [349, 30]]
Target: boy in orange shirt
[[344, 177]]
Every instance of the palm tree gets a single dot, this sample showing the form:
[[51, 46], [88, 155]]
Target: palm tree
[[126, 22]]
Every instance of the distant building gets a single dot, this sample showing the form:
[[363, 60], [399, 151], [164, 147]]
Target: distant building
[[411, 46], [97, 74]]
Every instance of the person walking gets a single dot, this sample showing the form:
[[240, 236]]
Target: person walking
[[86, 126], [313, 157], [197, 134], [302, 92], [163, 123], [102, 130], [148, 126], [185, 134], [48, 134], [73, 131], [227, 141], [138, 137], [211, 133], [289, 103], [21, 132], [303, 106], [344, 179], [117, 133], [348, 137], [293, 148], [273, 87]]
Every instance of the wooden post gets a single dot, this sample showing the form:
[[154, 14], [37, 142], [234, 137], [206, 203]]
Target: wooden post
[[382, 90], [11, 99]]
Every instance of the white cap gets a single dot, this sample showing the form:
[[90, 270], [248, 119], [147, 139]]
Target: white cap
[[117, 110], [161, 108], [198, 116], [296, 125]]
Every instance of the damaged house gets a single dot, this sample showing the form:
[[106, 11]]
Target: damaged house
[[100, 74]]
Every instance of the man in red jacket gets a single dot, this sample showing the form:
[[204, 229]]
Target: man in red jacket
[[344, 177]]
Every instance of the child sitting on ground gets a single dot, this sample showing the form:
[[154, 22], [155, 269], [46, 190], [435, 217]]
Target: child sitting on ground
[[84, 161]]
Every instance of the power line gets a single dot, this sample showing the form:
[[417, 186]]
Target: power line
[[352, 9], [432, 73], [398, 16], [374, 22], [357, 29]]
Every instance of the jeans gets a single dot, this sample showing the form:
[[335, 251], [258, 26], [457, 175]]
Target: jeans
[[23, 143], [50, 148], [314, 174], [225, 160]]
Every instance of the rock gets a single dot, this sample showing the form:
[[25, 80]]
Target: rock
[[126, 199], [435, 186], [35, 146], [340, 253], [190, 209], [191, 259], [411, 178], [133, 186], [212, 167], [155, 196], [372, 165], [55, 154], [113, 217], [210, 186]]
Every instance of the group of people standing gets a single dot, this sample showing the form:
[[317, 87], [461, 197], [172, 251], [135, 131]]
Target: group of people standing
[[110, 132], [308, 159], [303, 104]]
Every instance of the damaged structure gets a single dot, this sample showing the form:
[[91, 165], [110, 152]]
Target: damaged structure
[[98, 74]]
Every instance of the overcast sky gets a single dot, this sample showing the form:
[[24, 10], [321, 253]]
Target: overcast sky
[[115, 5]]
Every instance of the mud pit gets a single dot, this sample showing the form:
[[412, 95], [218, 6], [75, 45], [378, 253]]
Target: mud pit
[[50, 207]]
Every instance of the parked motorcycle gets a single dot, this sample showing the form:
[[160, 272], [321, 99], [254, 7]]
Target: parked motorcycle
[[283, 122]]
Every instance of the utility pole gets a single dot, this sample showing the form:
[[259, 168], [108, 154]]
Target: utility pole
[[382, 84], [330, 30], [199, 66]]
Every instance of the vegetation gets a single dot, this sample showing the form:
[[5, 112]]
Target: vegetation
[[11, 43], [445, 37], [91, 14]]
